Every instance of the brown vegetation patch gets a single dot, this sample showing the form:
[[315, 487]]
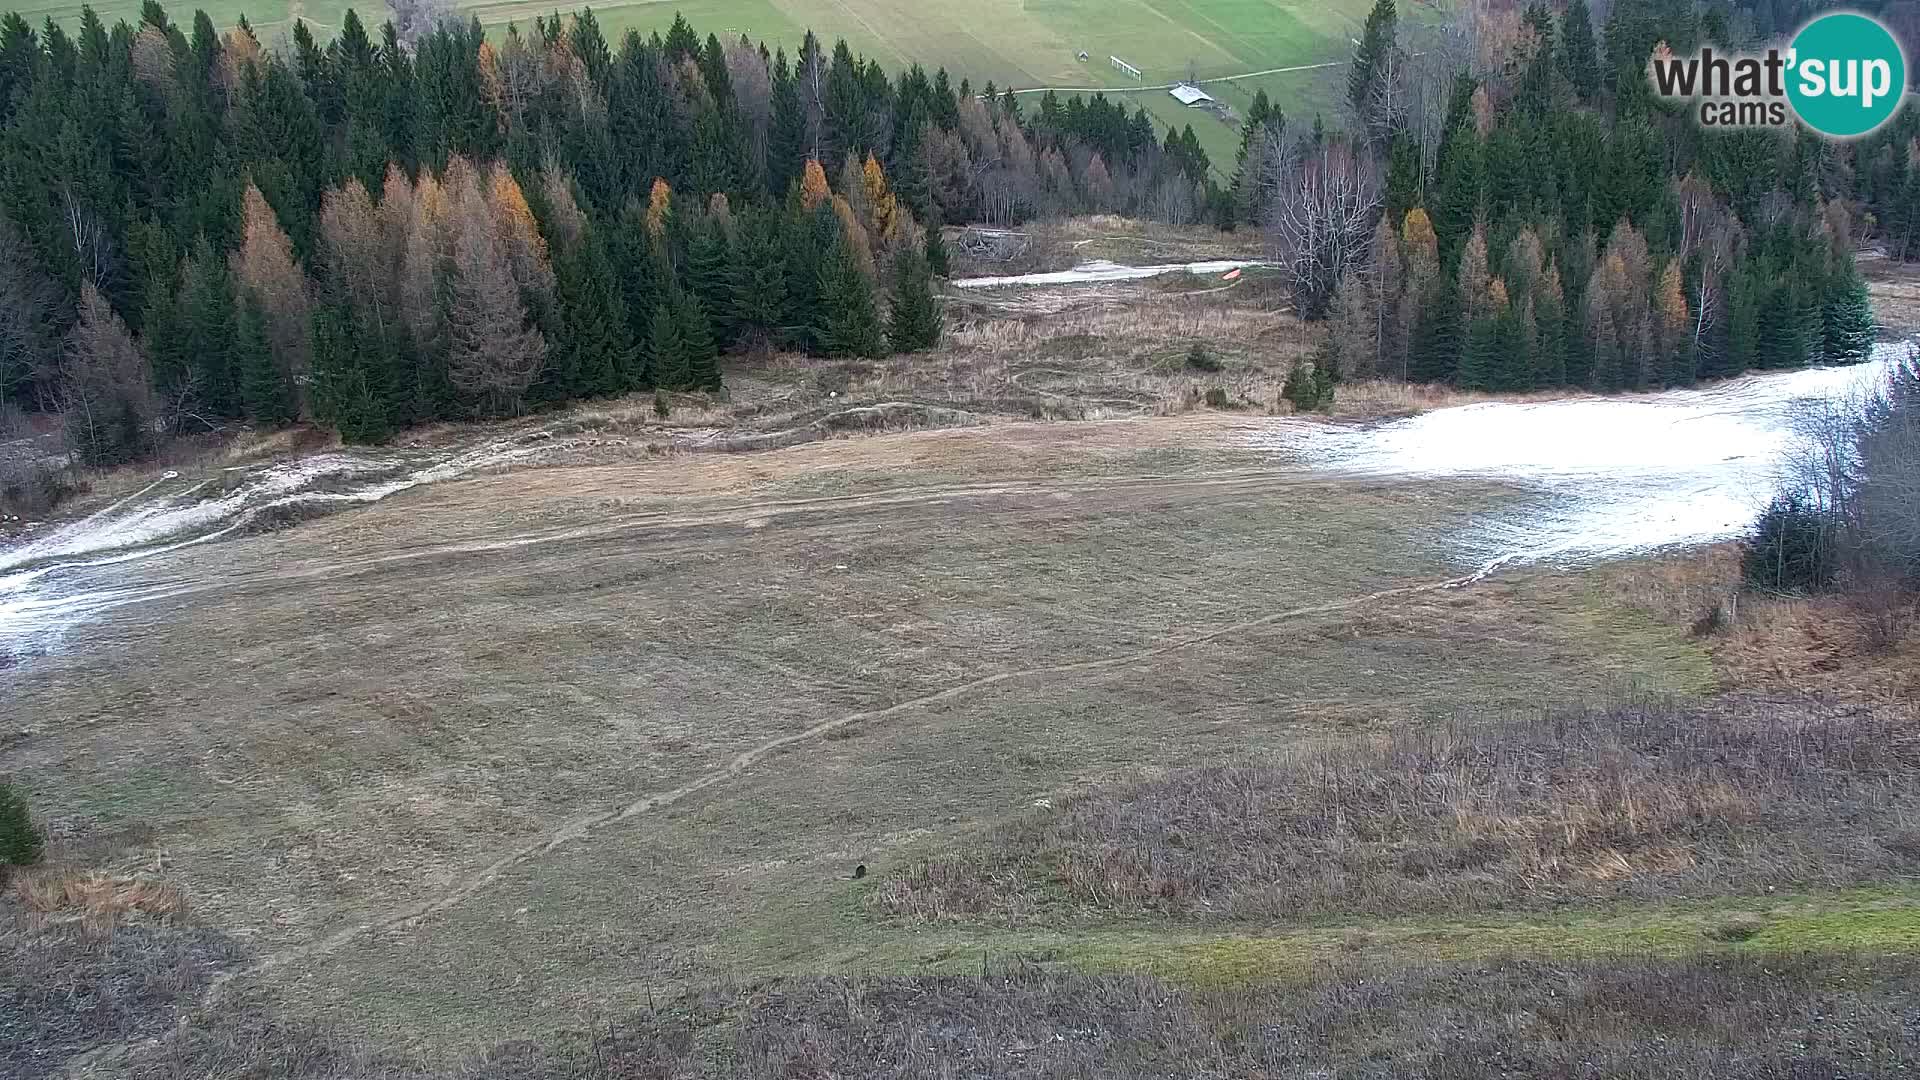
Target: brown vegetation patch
[[98, 901], [1637, 802], [1704, 1016], [1828, 644], [66, 990]]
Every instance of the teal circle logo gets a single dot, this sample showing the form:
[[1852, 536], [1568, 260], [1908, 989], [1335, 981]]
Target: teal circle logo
[[1846, 75]]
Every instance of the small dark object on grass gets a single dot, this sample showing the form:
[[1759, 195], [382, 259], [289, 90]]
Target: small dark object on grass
[[1217, 398], [860, 871], [660, 408]]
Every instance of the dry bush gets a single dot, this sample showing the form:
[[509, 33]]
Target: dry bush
[[1644, 801], [33, 487]]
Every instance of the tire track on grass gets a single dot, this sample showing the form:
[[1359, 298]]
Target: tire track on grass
[[582, 827]]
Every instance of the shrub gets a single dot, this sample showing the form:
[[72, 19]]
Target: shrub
[[660, 407], [19, 841], [1217, 398], [32, 488], [1199, 358], [1792, 548]]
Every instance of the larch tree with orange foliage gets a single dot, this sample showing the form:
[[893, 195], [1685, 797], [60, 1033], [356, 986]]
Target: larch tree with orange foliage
[[813, 185], [266, 275], [493, 355]]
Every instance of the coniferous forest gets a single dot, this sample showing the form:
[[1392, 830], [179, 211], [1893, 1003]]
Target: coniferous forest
[[199, 228], [1512, 208]]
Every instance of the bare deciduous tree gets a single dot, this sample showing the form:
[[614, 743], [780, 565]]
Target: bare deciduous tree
[[1320, 214], [415, 19], [1710, 232], [106, 390], [91, 241]]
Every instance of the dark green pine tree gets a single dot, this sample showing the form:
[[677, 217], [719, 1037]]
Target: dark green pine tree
[[1363, 80], [264, 393], [157, 263], [643, 279], [1403, 174], [597, 348], [708, 273], [1578, 51], [667, 349], [914, 319], [696, 339], [284, 148], [786, 130], [1740, 340], [1435, 349], [1550, 342], [1262, 120], [1458, 175], [1847, 320], [938, 262], [759, 283], [1480, 356], [847, 323], [682, 43], [349, 391], [207, 322]]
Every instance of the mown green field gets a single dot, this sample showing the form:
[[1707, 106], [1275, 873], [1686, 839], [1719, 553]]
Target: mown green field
[[1020, 43]]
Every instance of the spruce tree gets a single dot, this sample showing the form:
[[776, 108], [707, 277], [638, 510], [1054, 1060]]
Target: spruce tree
[[350, 387], [708, 273], [1435, 352], [847, 323], [914, 319], [1363, 80], [596, 352], [1847, 321], [1578, 52], [696, 339], [265, 397], [207, 322], [667, 349], [1480, 354], [759, 283], [938, 262]]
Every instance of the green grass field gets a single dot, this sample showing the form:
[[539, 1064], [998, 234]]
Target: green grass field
[[1019, 43]]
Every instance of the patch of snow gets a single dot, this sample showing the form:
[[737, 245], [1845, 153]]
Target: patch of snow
[[1100, 270], [1609, 476]]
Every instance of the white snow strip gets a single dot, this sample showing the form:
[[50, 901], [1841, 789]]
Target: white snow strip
[[1615, 476], [1101, 270]]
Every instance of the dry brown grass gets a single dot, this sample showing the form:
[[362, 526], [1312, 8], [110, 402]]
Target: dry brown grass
[[1384, 398], [1824, 644], [1639, 802], [1704, 1016], [1895, 289], [97, 900], [68, 990]]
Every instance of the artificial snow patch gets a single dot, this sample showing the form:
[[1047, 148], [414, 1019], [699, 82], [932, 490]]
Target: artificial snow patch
[[1611, 476], [52, 583], [1100, 270]]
